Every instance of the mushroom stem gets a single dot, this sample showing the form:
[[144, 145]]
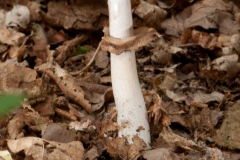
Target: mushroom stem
[[130, 105]]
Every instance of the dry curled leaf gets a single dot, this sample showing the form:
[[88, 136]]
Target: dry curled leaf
[[87, 15], [213, 14], [11, 37], [39, 148], [22, 80], [118, 148], [165, 82], [155, 111], [52, 131], [66, 83], [203, 39], [40, 42], [228, 134], [150, 15], [142, 36]]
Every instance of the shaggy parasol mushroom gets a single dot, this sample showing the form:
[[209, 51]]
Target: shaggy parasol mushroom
[[132, 113]]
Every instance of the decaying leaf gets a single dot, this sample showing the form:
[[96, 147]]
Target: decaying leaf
[[208, 15], [16, 146], [66, 83], [52, 131], [57, 37], [11, 37], [151, 15], [102, 59], [118, 148], [173, 138], [40, 42], [176, 97], [42, 149], [108, 126], [141, 37], [44, 106], [164, 153], [165, 82], [228, 135], [31, 120], [233, 58], [161, 54], [205, 98], [21, 80], [174, 26], [82, 126], [86, 15], [92, 153], [154, 106], [215, 75], [173, 4], [203, 39]]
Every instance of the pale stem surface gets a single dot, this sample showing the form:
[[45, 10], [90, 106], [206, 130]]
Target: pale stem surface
[[129, 100]]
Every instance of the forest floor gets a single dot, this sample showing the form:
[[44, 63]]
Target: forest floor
[[189, 78]]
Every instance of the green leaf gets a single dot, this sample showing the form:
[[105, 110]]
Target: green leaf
[[81, 50], [9, 102]]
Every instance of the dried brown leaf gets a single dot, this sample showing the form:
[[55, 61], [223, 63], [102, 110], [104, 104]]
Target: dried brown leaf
[[212, 75], [203, 39], [17, 79], [213, 14], [228, 135], [161, 54], [154, 106], [201, 17], [16, 146], [66, 83], [92, 153], [40, 42], [108, 126], [86, 15], [175, 25], [55, 132], [164, 153], [233, 58], [235, 41], [3, 48], [82, 126], [45, 108], [165, 82], [32, 120], [173, 138], [134, 151], [176, 97], [151, 15], [57, 38], [205, 98], [102, 60], [43, 149], [117, 147], [11, 37]]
